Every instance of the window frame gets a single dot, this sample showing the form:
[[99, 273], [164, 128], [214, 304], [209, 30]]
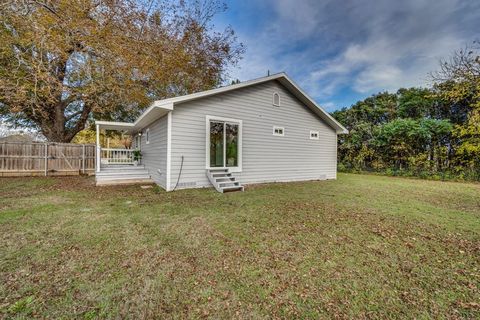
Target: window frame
[[278, 134], [238, 122], [314, 132], [273, 99], [147, 136]]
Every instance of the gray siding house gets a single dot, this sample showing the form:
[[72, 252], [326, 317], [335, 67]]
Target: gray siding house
[[263, 130]]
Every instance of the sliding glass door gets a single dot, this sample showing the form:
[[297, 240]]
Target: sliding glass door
[[217, 144], [224, 144], [231, 145]]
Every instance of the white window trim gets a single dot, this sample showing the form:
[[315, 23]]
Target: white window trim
[[278, 134], [209, 118], [314, 132], [147, 136], [273, 99], [138, 141]]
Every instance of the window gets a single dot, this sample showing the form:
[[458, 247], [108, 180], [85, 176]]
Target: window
[[147, 136], [276, 99], [278, 131], [314, 135], [224, 143]]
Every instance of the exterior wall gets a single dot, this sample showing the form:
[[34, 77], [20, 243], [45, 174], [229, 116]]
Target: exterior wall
[[265, 157], [154, 154]]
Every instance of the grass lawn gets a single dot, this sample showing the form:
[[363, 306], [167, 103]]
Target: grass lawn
[[362, 246]]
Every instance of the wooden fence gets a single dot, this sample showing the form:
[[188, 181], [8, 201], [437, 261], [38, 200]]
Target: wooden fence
[[36, 158]]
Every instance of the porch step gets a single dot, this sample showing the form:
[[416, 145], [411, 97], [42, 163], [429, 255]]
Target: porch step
[[120, 167], [122, 175], [124, 182], [223, 180]]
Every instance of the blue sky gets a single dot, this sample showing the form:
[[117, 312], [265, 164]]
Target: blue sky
[[341, 51]]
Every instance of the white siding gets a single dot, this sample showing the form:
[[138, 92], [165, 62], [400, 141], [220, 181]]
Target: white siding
[[154, 154], [266, 158]]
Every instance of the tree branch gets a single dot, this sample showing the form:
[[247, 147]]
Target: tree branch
[[80, 125], [47, 7]]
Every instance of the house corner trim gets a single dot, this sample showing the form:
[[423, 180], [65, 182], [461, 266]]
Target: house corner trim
[[169, 151]]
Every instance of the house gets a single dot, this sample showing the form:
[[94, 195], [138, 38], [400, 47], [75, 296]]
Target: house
[[263, 130]]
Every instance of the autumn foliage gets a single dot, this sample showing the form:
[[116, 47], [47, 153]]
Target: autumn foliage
[[64, 61]]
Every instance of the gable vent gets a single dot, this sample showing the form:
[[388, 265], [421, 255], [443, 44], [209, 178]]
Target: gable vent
[[276, 99]]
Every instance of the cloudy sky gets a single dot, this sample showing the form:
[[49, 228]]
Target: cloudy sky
[[341, 51]]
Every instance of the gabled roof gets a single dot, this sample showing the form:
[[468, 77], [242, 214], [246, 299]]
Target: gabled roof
[[282, 78], [160, 107]]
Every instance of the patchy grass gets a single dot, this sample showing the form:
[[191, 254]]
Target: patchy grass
[[359, 247]]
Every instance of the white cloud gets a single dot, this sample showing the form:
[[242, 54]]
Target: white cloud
[[328, 106], [330, 45]]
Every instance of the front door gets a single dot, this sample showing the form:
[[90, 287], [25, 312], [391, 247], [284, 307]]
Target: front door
[[224, 144]]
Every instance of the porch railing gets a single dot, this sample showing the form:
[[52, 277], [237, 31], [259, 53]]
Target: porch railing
[[116, 156]]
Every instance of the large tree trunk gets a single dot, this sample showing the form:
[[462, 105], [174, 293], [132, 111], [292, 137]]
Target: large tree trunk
[[54, 125]]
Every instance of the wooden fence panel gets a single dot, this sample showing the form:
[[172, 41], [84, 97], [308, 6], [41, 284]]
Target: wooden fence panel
[[35, 158]]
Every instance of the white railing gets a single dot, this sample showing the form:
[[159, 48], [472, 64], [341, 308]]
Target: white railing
[[116, 156]]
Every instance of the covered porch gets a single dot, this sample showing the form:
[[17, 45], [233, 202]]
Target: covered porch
[[119, 161], [115, 157], [115, 154]]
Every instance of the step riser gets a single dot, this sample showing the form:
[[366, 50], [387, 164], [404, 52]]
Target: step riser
[[123, 168], [123, 177], [221, 175], [124, 182], [229, 184], [126, 170], [232, 189], [126, 174]]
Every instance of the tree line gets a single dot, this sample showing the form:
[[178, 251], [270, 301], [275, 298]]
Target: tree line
[[428, 132]]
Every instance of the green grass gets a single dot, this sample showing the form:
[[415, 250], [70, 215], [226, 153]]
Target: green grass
[[362, 246]]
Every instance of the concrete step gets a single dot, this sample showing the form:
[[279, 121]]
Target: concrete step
[[233, 188], [123, 182], [122, 173], [229, 184], [120, 178], [121, 168]]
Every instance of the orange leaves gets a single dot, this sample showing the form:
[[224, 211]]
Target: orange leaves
[[108, 57]]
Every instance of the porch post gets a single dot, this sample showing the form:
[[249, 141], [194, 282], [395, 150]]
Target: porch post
[[98, 151]]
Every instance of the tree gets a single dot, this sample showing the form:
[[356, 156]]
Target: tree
[[415, 103], [62, 61], [419, 131], [458, 81], [402, 131]]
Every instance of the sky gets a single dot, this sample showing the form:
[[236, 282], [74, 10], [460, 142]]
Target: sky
[[342, 51]]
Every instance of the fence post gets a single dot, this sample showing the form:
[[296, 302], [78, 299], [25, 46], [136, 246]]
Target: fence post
[[46, 159], [83, 158]]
